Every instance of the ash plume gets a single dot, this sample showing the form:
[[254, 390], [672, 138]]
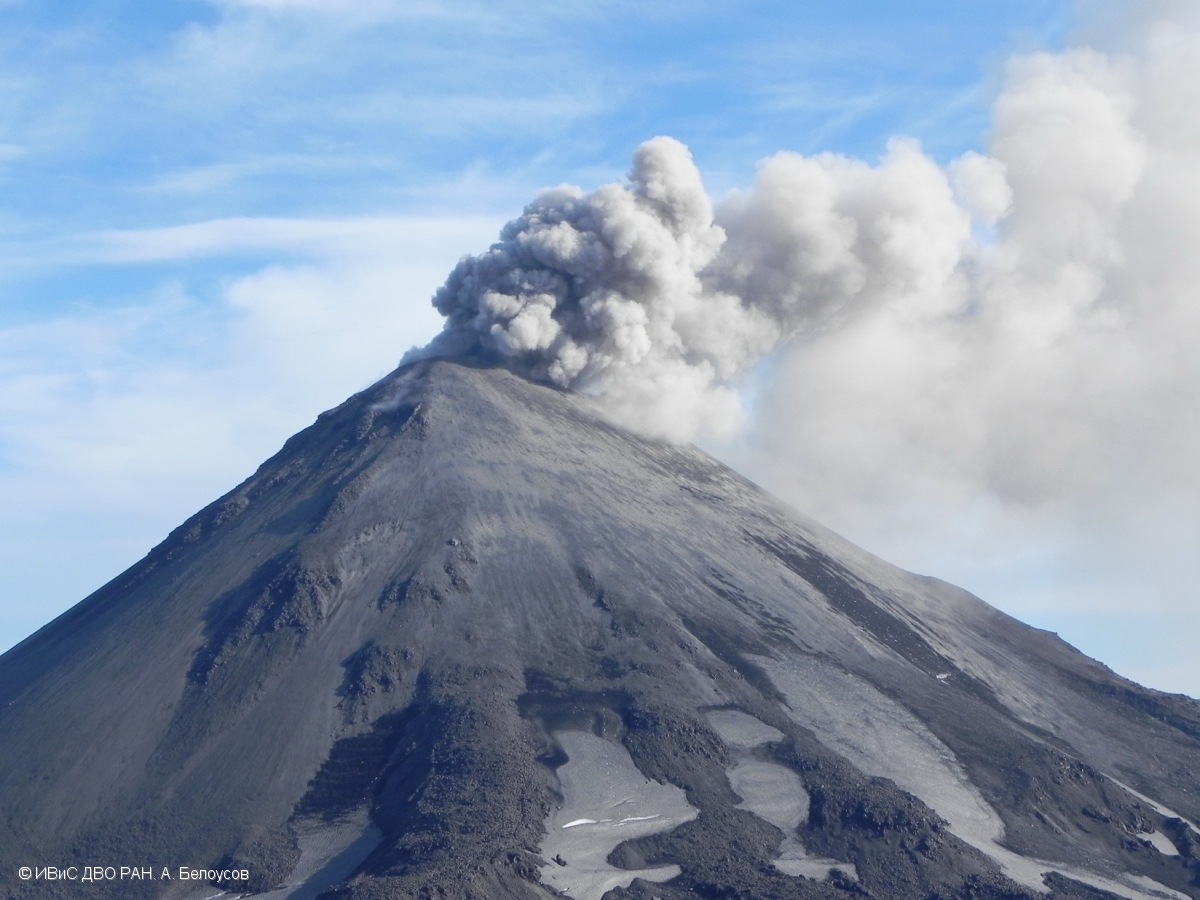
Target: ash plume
[[602, 292], [1006, 334], [947, 311], [645, 295]]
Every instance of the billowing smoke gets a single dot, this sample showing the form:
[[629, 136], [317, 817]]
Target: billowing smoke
[[636, 293], [1018, 324], [1005, 317], [1002, 344], [602, 292], [1002, 357], [640, 294]]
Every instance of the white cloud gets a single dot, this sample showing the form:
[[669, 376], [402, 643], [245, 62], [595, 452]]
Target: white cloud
[[116, 424], [1039, 442], [981, 185], [324, 238], [355, 11]]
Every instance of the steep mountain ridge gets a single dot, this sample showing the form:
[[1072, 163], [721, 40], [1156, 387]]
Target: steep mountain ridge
[[358, 671]]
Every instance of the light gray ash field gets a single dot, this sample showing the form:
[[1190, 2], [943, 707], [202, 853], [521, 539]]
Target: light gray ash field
[[462, 638]]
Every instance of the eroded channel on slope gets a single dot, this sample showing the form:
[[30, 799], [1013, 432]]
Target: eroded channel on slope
[[606, 801]]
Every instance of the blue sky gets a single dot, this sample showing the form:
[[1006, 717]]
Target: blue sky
[[116, 118], [219, 218], [132, 116]]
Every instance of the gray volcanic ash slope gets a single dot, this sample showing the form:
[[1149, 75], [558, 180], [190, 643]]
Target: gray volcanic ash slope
[[462, 638]]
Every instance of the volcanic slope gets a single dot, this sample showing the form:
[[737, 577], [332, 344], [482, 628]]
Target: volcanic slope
[[461, 638]]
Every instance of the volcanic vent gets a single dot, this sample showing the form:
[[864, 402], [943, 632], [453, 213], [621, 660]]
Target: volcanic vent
[[463, 638]]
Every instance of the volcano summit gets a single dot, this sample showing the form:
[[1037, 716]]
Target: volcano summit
[[464, 638]]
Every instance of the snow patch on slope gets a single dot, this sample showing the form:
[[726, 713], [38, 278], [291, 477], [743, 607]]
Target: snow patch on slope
[[1164, 811], [1161, 843], [329, 854], [740, 730], [606, 801], [771, 792], [882, 738]]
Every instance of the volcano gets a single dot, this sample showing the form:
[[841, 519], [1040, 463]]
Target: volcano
[[464, 638]]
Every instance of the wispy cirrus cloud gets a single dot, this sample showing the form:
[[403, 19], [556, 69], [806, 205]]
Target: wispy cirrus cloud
[[360, 238]]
